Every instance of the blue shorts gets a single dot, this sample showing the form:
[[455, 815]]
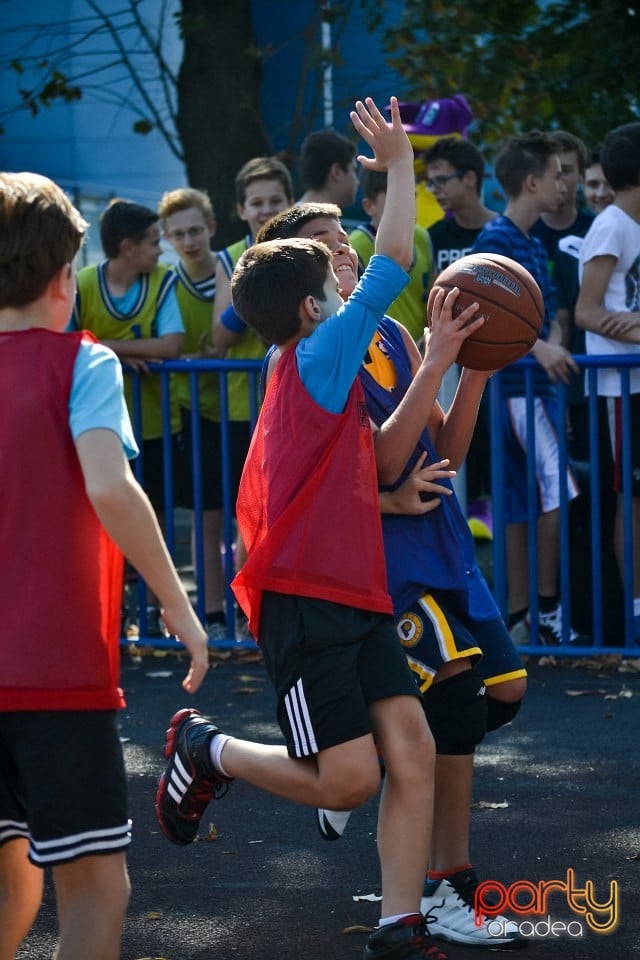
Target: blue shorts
[[436, 630], [547, 467], [211, 459]]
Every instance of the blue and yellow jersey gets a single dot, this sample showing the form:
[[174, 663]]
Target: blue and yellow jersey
[[196, 299], [248, 346], [96, 310]]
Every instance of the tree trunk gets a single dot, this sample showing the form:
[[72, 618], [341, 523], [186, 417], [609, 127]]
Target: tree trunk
[[219, 119]]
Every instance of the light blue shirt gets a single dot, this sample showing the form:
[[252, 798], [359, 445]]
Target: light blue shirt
[[97, 398]]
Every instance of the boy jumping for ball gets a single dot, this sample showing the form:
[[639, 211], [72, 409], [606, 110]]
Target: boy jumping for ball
[[314, 583]]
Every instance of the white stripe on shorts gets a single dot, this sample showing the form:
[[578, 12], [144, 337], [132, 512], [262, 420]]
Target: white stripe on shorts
[[304, 738], [68, 848], [546, 451], [10, 829]]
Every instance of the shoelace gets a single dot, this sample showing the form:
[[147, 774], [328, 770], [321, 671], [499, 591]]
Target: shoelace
[[431, 951]]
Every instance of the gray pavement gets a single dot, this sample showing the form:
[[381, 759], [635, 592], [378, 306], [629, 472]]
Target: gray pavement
[[556, 790]]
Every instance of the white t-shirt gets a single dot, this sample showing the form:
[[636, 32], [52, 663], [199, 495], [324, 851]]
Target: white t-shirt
[[614, 233]]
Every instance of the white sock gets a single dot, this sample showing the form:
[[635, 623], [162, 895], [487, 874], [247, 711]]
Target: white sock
[[216, 747], [386, 921]]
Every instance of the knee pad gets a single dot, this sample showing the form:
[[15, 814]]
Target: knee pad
[[500, 712], [456, 710]]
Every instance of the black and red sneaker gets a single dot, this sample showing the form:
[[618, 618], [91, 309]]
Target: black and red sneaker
[[405, 940], [189, 781]]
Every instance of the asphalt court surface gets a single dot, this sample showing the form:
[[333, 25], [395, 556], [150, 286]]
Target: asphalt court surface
[[556, 791]]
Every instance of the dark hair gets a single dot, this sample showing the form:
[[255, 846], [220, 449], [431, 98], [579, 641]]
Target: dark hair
[[461, 154], [40, 232], [263, 168], [568, 143], [319, 151], [288, 223], [595, 156], [271, 280], [620, 157], [372, 182], [521, 156], [124, 220]]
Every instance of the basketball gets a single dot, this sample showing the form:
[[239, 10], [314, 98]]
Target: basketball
[[509, 298]]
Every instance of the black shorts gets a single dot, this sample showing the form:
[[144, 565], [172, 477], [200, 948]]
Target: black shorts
[[63, 784], [616, 433], [211, 460], [328, 663], [149, 468]]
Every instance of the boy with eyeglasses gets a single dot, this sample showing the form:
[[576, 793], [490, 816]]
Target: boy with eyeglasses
[[188, 222], [455, 172]]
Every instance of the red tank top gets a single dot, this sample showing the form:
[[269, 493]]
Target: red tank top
[[308, 502], [61, 583]]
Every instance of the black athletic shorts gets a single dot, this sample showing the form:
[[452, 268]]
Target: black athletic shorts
[[328, 663], [63, 784], [211, 460]]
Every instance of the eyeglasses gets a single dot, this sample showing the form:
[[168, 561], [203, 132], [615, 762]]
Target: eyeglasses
[[179, 236], [440, 181]]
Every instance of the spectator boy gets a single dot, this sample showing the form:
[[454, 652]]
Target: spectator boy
[[529, 172], [608, 308], [188, 223], [455, 176], [263, 188], [327, 169], [597, 189], [63, 801], [568, 220]]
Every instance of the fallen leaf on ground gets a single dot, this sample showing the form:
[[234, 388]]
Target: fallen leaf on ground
[[490, 805], [357, 928], [371, 897]]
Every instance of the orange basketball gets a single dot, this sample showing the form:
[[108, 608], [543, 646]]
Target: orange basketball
[[509, 298]]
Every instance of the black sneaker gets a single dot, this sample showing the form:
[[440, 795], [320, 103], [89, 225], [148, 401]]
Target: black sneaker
[[189, 782], [405, 940]]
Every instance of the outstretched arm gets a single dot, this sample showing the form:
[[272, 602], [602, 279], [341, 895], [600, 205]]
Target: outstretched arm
[[393, 153]]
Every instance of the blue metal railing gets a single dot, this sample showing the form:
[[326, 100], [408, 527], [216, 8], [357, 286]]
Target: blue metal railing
[[590, 595], [599, 641]]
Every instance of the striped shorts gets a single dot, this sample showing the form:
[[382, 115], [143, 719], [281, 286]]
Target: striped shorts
[[328, 663], [63, 785]]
